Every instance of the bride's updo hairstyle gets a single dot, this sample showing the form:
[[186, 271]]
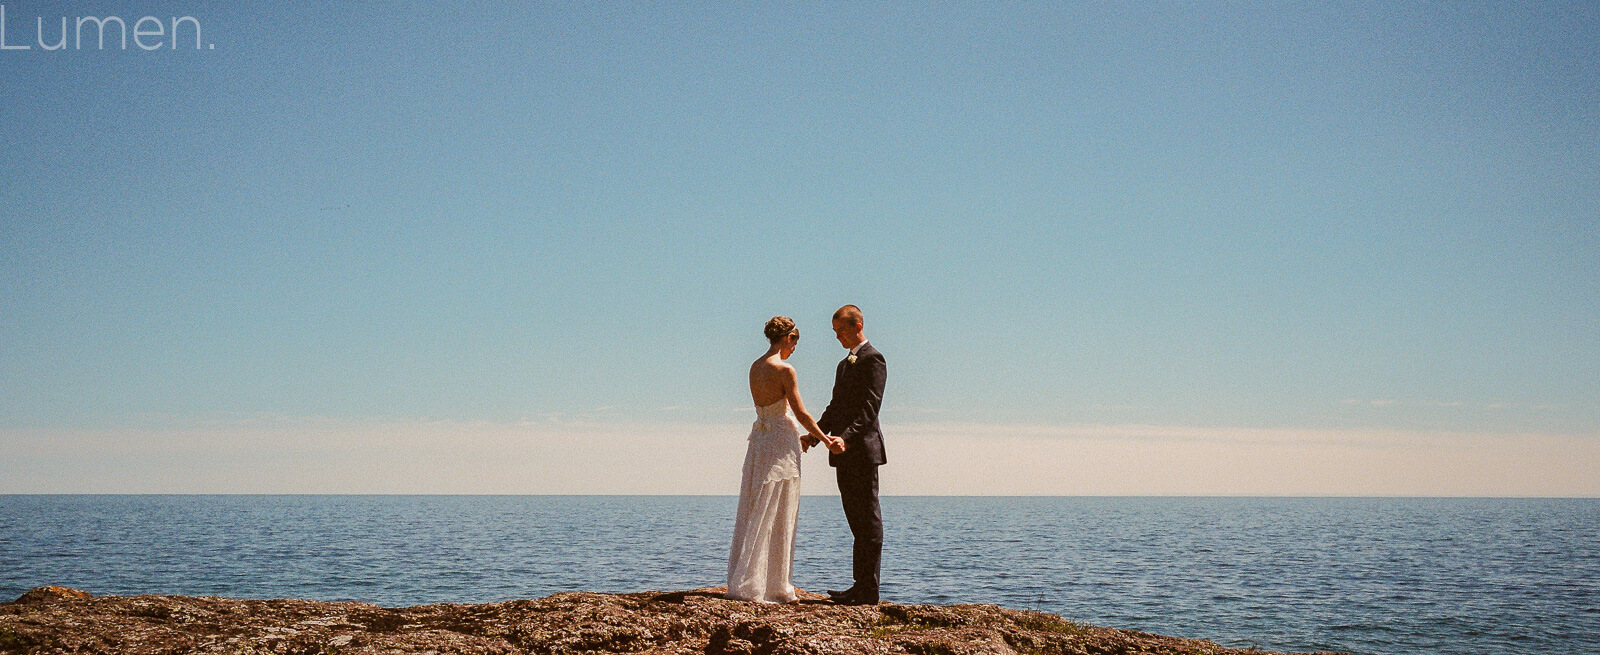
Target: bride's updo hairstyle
[[780, 327]]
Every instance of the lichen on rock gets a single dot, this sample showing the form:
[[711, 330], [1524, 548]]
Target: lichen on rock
[[63, 620]]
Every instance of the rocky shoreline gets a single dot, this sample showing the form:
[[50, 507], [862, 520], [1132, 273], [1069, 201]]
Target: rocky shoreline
[[63, 620]]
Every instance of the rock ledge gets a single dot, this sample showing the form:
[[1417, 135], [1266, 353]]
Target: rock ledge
[[63, 620]]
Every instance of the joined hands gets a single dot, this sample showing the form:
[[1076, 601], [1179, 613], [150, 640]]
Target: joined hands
[[835, 444]]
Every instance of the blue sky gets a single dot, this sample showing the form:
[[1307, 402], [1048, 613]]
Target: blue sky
[[1362, 217]]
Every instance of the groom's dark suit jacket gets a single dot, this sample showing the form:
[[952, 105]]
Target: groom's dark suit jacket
[[853, 412]]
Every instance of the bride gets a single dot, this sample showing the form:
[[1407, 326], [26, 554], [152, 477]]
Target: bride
[[769, 495]]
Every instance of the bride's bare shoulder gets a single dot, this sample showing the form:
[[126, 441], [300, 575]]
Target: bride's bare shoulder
[[769, 365], [772, 368]]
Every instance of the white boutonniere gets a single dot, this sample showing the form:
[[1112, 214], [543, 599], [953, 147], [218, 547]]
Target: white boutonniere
[[851, 359]]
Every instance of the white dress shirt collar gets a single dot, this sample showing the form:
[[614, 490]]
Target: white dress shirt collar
[[857, 349]]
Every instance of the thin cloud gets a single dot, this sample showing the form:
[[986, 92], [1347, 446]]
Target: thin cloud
[[430, 455], [1183, 433]]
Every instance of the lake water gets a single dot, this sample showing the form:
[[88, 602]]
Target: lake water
[[1371, 575]]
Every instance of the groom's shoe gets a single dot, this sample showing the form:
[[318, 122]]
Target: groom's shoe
[[853, 596], [858, 598]]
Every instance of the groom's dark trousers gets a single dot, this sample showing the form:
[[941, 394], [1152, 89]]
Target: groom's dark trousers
[[858, 490], [852, 414]]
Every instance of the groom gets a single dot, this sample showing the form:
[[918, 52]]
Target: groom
[[853, 415]]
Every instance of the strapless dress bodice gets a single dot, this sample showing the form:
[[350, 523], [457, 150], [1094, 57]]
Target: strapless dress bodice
[[776, 410], [774, 444]]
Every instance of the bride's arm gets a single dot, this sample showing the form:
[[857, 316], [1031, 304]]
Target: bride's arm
[[792, 394]]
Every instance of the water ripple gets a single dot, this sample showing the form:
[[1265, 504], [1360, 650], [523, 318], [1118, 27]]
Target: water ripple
[[1378, 576]]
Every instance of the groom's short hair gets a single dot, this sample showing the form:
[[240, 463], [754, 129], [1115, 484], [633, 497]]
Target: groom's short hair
[[850, 313]]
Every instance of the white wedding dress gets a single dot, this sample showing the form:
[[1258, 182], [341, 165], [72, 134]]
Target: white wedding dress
[[769, 502]]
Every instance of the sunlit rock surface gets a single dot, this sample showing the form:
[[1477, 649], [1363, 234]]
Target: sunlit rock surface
[[62, 620]]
